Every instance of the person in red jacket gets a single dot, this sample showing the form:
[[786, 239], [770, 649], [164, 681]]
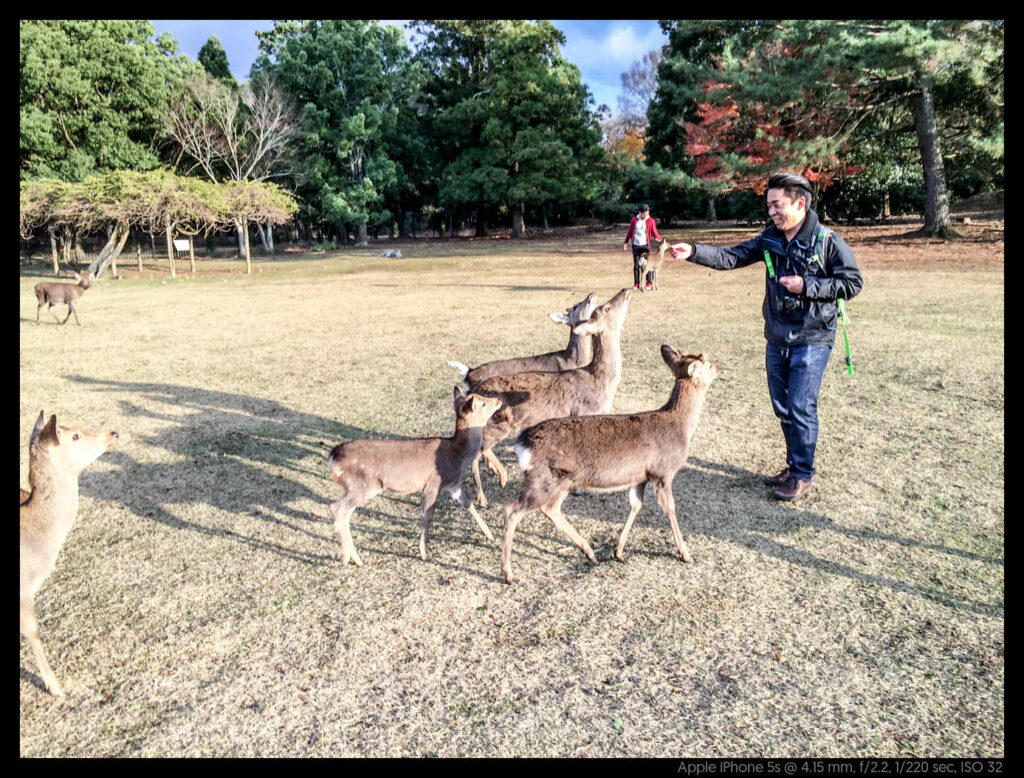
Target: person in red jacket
[[641, 229]]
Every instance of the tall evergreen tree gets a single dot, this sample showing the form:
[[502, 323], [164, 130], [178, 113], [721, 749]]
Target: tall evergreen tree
[[214, 60], [352, 77], [812, 89], [513, 119]]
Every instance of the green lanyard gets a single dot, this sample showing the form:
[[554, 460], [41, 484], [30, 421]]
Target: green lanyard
[[843, 318]]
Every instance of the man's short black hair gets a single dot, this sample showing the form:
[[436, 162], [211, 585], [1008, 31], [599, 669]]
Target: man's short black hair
[[793, 184]]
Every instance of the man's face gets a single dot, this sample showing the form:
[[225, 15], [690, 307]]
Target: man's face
[[784, 212], [644, 214]]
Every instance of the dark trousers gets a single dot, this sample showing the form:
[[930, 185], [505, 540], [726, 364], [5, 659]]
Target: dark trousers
[[637, 252], [794, 380]]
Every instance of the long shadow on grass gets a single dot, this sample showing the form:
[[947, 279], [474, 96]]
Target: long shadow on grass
[[750, 523], [224, 446]]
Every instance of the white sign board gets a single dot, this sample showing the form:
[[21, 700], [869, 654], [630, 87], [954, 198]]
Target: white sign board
[[181, 245]]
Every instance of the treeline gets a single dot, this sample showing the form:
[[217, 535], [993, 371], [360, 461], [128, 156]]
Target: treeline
[[483, 123]]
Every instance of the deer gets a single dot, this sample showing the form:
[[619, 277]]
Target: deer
[[577, 353], [51, 294], [609, 453], [532, 397], [652, 264], [366, 467], [57, 455]]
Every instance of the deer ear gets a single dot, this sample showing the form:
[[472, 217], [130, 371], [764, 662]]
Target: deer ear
[[458, 394], [558, 318], [49, 434], [40, 423], [669, 354], [691, 367]]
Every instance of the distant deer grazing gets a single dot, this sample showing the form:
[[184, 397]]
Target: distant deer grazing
[[611, 453], [652, 263], [576, 354], [56, 456], [535, 396], [50, 293], [367, 467]]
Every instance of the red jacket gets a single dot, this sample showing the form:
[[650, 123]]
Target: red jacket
[[652, 230]]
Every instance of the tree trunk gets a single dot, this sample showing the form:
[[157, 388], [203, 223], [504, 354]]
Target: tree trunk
[[362, 239], [248, 258], [53, 251], [243, 239], [886, 213], [270, 238], [138, 253], [191, 257], [481, 222], [170, 247], [518, 227], [108, 254], [711, 214], [936, 206]]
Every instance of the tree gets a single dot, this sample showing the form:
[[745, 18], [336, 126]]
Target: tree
[[351, 76], [214, 60], [813, 89], [91, 95], [513, 119], [244, 134]]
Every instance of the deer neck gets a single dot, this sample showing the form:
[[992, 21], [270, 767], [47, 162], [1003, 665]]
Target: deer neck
[[685, 405], [54, 498], [467, 440], [606, 365], [580, 349]]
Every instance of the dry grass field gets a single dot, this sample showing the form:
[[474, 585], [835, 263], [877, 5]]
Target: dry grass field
[[199, 607]]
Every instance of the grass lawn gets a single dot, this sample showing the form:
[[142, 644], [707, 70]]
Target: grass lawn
[[199, 607]]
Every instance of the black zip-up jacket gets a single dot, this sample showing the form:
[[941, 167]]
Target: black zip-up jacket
[[807, 318]]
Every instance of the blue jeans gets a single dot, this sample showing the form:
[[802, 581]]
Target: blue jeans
[[794, 379]]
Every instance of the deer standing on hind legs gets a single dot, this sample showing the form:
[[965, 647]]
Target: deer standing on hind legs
[[50, 294], [611, 453], [367, 467], [577, 353], [56, 456], [535, 396]]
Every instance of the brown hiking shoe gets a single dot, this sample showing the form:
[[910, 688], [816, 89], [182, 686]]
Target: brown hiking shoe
[[777, 480], [793, 489]]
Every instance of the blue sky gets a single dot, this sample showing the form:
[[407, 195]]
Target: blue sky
[[602, 49]]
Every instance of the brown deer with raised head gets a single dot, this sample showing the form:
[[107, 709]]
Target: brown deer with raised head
[[367, 467], [611, 453], [576, 354], [50, 294], [57, 455], [535, 396]]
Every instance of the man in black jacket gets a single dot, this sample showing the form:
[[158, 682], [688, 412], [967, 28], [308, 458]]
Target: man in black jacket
[[808, 267]]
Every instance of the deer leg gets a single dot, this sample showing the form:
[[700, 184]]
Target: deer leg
[[553, 510], [480, 497], [663, 489], [429, 502], [342, 512], [56, 318], [463, 500], [70, 309], [513, 515], [30, 629], [74, 310], [636, 502], [38, 308], [496, 467]]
